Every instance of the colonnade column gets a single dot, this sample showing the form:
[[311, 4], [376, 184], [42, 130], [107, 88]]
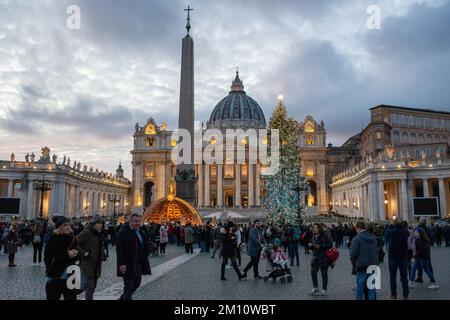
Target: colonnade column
[[238, 185], [219, 175]]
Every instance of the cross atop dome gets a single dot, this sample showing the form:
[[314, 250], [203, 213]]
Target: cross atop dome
[[237, 84]]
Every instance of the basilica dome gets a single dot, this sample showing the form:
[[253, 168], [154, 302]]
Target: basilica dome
[[237, 110]]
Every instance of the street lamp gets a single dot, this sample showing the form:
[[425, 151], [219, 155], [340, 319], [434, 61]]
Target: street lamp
[[115, 199], [299, 191], [42, 186]]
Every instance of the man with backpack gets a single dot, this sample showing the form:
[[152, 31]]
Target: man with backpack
[[293, 236], [363, 254]]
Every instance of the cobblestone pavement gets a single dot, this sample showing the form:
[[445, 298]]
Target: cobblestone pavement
[[27, 281], [199, 279]]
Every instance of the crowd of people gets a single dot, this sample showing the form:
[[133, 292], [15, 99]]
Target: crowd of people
[[85, 242]]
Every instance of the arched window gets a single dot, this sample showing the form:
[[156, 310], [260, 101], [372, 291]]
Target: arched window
[[429, 138], [311, 199], [396, 137], [405, 137], [421, 138], [148, 192], [413, 138]]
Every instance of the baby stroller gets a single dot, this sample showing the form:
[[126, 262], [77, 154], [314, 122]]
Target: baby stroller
[[274, 270]]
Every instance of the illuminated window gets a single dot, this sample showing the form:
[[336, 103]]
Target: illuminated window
[[150, 142], [229, 170], [213, 140], [150, 129], [173, 143], [309, 139], [244, 169], [150, 170], [244, 140]]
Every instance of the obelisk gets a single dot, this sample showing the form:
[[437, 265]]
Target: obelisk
[[185, 172]]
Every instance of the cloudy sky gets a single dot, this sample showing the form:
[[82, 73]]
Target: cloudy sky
[[80, 92]]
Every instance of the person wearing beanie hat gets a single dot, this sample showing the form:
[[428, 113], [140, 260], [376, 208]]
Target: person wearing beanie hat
[[90, 246], [59, 221], [60, 252]]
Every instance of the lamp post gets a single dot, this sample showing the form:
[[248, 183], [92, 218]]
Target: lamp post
[[42, 186], [114, 198]]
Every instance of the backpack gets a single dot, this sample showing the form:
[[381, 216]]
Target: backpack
[[296, 235]]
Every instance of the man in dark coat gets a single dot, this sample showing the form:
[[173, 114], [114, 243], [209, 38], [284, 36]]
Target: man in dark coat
[[254, 247], [90, 247], [397, 235], [132, 256]]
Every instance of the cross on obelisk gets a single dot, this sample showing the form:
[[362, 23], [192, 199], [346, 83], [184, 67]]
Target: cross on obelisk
[[188, 25]]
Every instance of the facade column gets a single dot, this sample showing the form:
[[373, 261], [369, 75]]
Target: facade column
[[30, 201], [251, 189], [361, 201], [83, 202], [382, 212], [200, 186], [404, 200], [238, 185], [207, 186], [372, 201], [62, 199], [10, 188], [321, 201], [53, 200], [219, 175], [68, 203], [258, 185], [425, 188], [76, 201], [442, 198], [410, 194]]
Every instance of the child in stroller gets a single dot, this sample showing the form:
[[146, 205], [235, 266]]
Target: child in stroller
[[277, 264]]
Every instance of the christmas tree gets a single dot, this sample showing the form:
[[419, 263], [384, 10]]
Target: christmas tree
[[283, 189]]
